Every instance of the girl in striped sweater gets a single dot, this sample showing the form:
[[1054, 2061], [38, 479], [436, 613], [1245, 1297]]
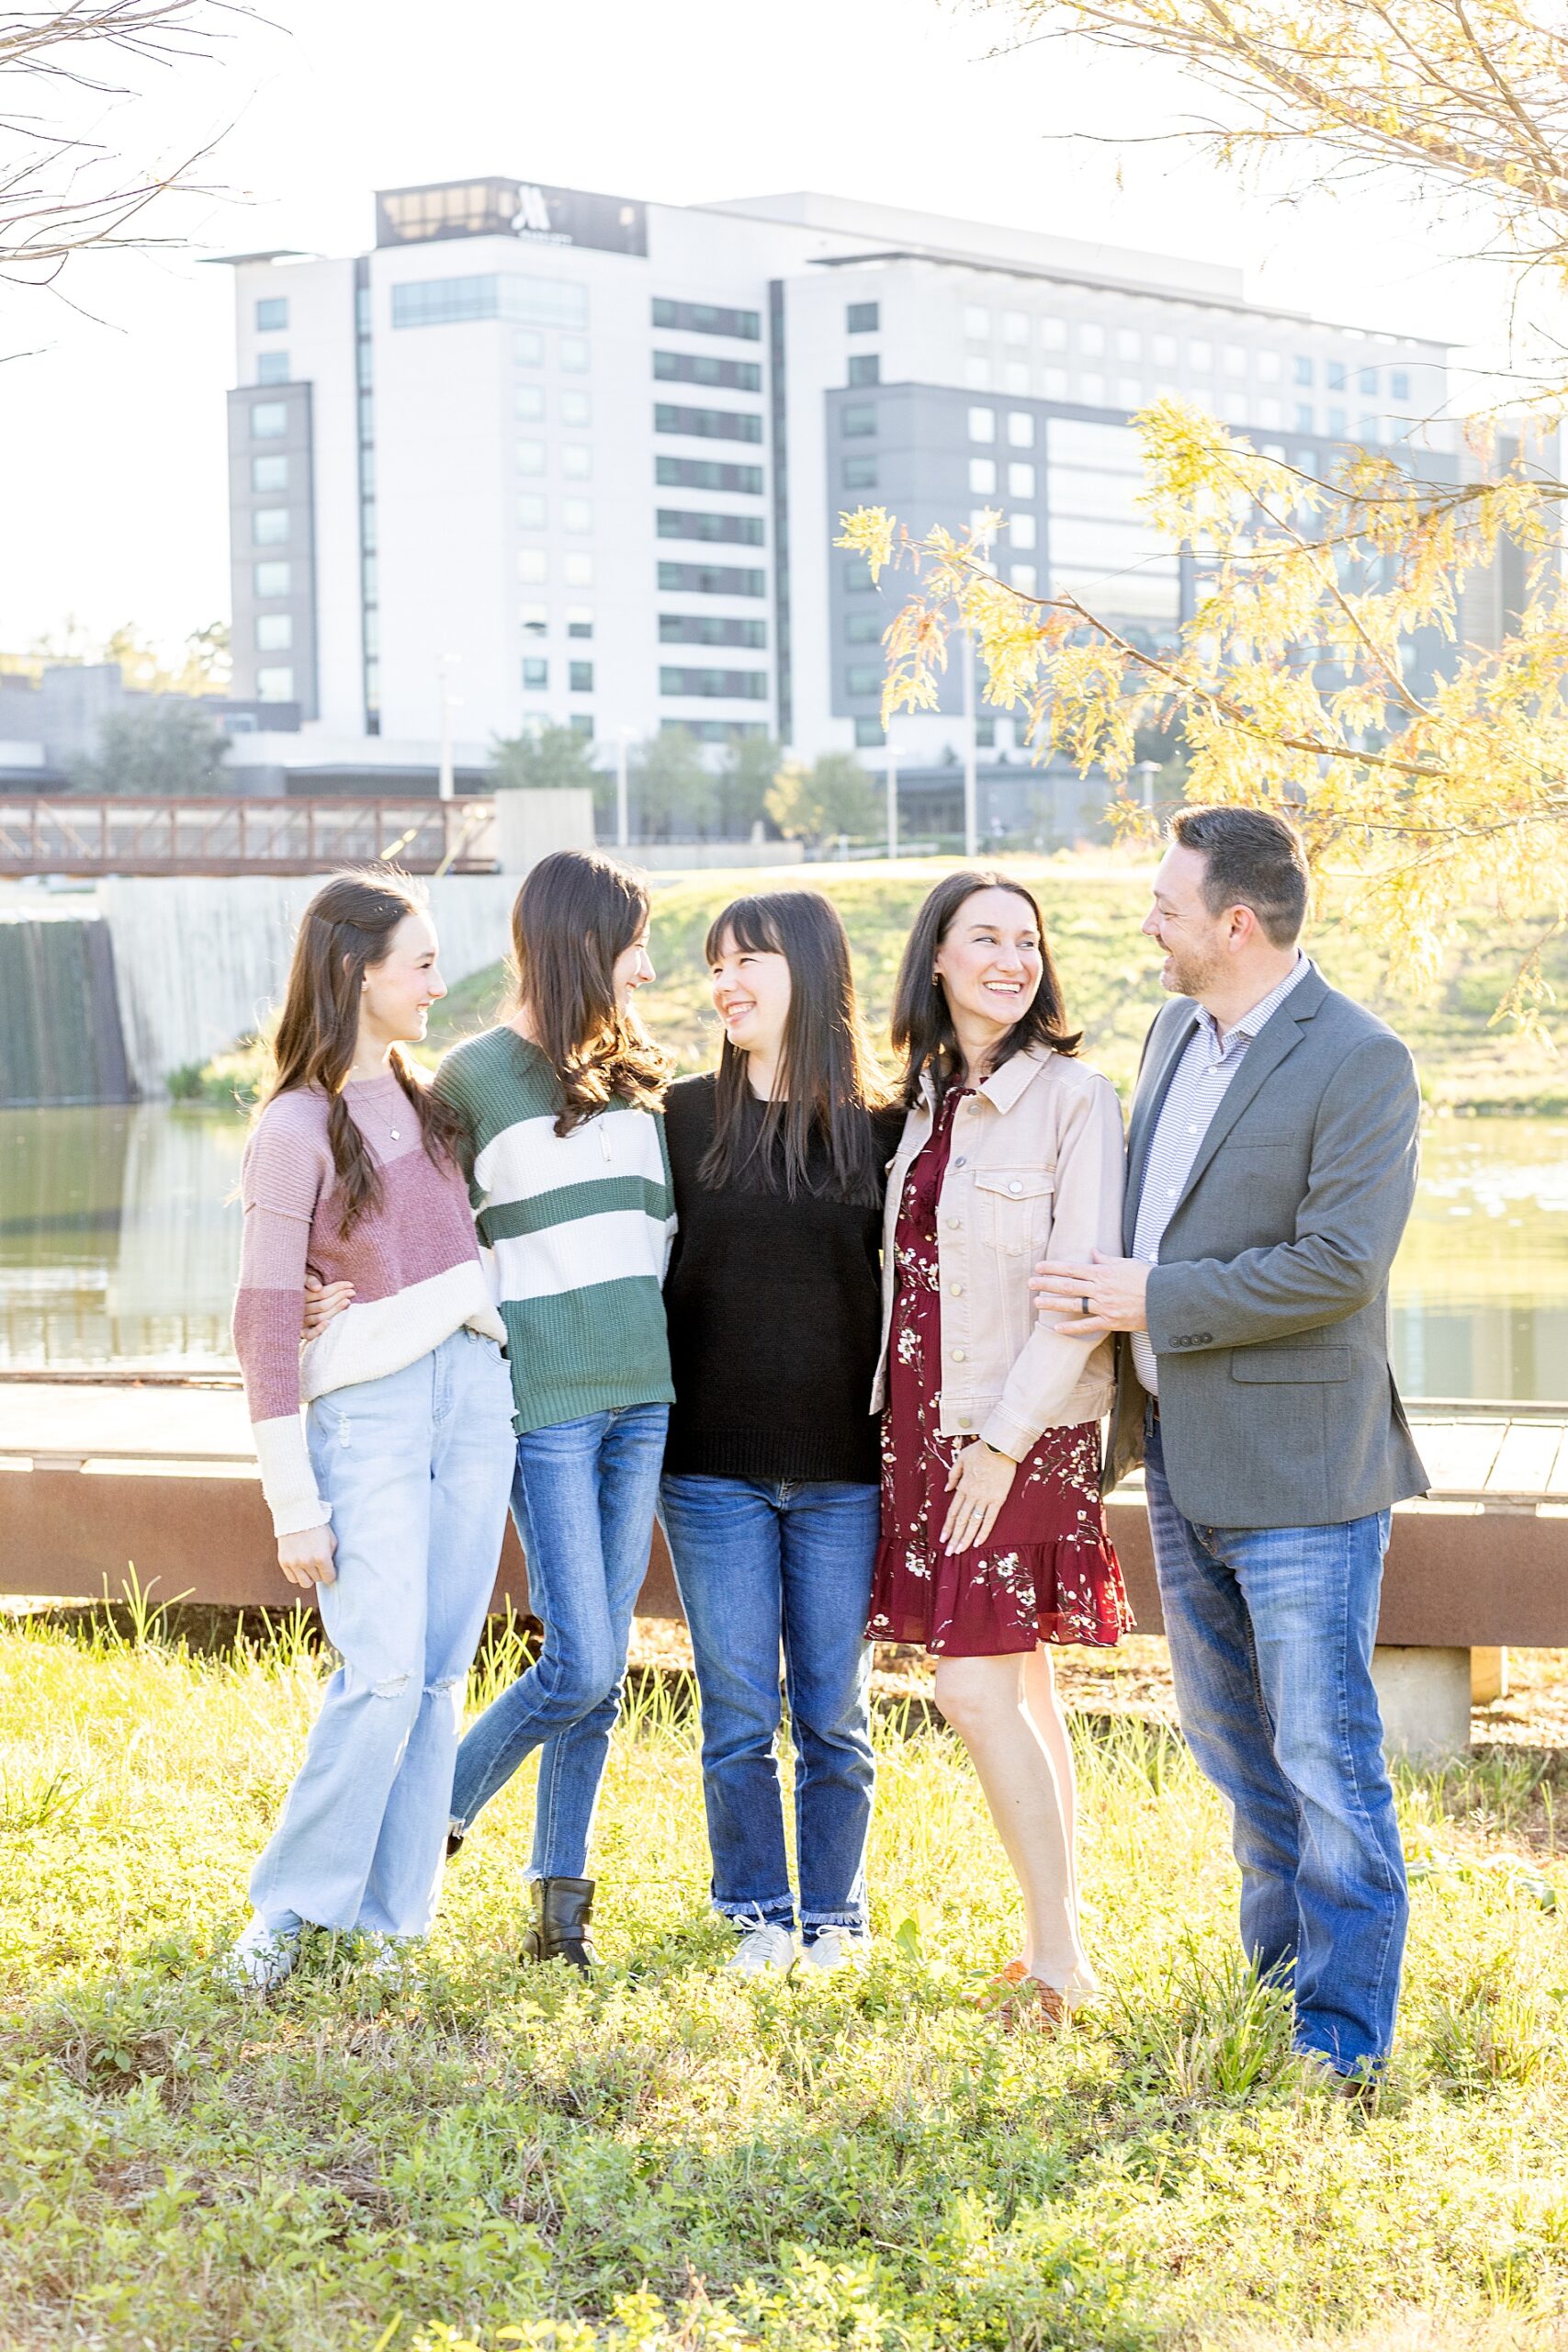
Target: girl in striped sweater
[[563, 1135]]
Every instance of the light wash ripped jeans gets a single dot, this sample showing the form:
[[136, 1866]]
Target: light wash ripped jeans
[[417, 1468]]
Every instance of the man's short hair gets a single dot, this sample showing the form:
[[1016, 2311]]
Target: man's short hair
[[1254, 859]]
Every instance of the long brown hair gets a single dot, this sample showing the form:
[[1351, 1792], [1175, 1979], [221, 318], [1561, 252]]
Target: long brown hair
[[346, 932], [923, 1025], [573, 918], [827, 1079]]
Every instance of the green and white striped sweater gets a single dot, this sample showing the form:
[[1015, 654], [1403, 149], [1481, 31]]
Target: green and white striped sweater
[[575, 1230]]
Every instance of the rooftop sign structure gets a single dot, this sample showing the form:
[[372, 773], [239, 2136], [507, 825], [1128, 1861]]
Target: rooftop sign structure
[[521, 208]]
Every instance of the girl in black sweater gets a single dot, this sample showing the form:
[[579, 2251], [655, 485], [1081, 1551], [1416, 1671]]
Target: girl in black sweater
[[770, 1495]]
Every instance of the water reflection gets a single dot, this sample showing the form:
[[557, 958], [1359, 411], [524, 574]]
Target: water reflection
[[120, 1238]]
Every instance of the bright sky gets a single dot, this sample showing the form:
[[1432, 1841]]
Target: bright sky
[[112, 492]]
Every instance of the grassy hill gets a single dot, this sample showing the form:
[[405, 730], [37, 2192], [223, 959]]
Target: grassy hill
[[1093, 908]]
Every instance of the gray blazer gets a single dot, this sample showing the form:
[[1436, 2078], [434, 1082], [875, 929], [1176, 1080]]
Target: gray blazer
[[1268, 1308]]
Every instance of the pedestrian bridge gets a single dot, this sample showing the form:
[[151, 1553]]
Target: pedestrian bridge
[[81, 837], [148, 1481]]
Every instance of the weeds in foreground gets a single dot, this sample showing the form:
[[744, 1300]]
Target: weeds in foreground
[[477, 2154]]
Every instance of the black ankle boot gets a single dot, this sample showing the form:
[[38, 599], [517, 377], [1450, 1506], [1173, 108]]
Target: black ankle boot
[[562, 1909]]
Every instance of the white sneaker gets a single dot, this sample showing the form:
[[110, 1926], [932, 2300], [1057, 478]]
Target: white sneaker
[[760, 1950], [836, 1948], [262, 1957]]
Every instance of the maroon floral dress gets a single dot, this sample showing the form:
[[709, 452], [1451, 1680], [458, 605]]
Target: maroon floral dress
[[1047, 1571]]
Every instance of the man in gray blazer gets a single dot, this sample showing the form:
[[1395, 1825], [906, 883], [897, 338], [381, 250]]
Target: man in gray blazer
[[1271, 1170]]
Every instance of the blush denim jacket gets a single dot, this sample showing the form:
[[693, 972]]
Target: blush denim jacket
[[1036, 1171]]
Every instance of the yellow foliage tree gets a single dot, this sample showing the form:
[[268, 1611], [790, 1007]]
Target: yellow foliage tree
[[1290, 684]]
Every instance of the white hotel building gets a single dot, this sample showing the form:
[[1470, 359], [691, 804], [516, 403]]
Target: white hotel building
[[583, 458]]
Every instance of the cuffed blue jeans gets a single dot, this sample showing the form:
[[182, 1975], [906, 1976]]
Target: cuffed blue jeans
[[415, 1467], [761, 1563], [1271, 1632], [583, 1499]]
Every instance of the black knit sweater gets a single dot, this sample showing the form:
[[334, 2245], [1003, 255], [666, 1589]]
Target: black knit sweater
[[775, 1310]]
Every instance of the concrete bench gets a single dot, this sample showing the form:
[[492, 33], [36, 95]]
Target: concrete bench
[[103, 1481]]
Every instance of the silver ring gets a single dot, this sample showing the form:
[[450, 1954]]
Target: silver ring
[[1084, 1303]]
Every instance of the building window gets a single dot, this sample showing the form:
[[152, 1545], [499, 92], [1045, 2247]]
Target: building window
[[1129, 343], [869, 736], [862, 317], [1021, 530], [1367, 429], [1054, 334], [1015, 378], [269, 527], [712, 580], [532, 512], [857, 576], [581, 723], [577, 514], [528, 404], [865, 368], [864, 678], [1304, 370], [272, 367], [858, 423], [738, 531], [535, 672], [710, 628], [1015, 326], [1021, 480], [269, 420], [860, 474], [579, 677], [978, 375], [579, 621], [1164, 347], [1271, 412], [1091, 340], [1235, 359], [1054, 383], [982, 425], [532, 566], [1268, 368], [577, 571], [729, 686], [575, 460], [528, 348], [572, 352], [1334, 375], [275, 686], [269, 473], [272, 315], [530, 456], [1306, 420], [706, 474], [863, 629], [1020, 429], [1024, 577], [976, 322], [272, 580], [575, 407], [1399, 385], [982, 477], [445, 301], [707, 318], [534, 620], [704, 368], [1339, 424], [275, 632], [707, 424], [1092, 390]]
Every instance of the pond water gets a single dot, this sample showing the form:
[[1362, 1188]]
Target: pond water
[[120, 1236]]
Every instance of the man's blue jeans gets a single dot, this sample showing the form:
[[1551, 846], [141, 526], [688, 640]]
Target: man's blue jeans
[[760, 1563], [1271, 1632], [583, 1500]]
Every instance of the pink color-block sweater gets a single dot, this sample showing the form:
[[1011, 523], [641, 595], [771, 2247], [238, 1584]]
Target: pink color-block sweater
[[414, 1265]]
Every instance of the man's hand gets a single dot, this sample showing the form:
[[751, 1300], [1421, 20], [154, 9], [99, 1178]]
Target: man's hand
[[308, 1559], [1111, 1289]]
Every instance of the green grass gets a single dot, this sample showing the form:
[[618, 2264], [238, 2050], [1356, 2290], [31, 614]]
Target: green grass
[[669, 2158], [1093, 908]]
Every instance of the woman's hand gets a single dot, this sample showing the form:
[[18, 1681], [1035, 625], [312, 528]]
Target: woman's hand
[[322, 1302], [979, 1482], [308, 1559]]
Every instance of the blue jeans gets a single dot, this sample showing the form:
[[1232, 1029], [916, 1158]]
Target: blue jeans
[[760, 1562], [1271, 1632], [415, 1467], [583, 1499]]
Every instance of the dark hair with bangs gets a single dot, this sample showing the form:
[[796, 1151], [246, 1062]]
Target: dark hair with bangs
[[828, 1081], [923, 1025], [575, 916]]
